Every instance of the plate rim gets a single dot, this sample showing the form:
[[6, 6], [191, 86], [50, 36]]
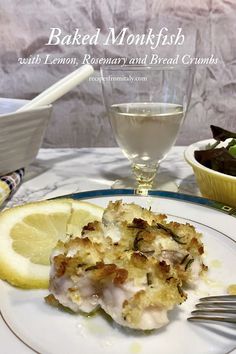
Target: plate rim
[[192, 199]]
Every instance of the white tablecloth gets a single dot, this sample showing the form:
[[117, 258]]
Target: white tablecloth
[[63, 171]]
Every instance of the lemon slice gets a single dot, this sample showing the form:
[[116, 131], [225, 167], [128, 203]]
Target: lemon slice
[[82, 214], [29, 233]]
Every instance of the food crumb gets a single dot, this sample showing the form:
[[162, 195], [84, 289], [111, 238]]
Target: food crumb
[[51, 300], [231, 290], [210, 282], [95, 328], [135, 348], [215, 263]]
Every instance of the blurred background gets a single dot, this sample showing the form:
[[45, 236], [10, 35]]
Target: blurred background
[[79, 118]]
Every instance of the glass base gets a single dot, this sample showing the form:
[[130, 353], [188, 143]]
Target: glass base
[[162, 183]]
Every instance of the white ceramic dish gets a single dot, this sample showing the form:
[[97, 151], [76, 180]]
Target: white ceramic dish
[[21, 134], [34, 326]]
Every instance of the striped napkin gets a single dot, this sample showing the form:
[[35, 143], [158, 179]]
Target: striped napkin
[[9, 184]]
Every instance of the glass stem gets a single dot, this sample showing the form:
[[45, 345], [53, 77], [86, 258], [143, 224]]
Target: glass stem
[[145, 175]]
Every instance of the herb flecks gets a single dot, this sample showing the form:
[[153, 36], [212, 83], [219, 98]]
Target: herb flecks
[[175, 237], [149, 278], [184, 259], [137, 239], [188, 264], [180, 290]]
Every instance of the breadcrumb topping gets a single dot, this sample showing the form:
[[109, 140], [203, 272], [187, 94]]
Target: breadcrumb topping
[[134, 264]]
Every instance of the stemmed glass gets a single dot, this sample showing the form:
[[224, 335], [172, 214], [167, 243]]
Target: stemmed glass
[[146, 108]]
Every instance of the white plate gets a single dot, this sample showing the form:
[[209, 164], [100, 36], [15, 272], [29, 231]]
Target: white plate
[[33, 326]]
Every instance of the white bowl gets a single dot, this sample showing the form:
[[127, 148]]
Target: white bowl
[[21, 133], [212, 184]]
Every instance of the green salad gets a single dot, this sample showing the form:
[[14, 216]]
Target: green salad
[[218, 158]]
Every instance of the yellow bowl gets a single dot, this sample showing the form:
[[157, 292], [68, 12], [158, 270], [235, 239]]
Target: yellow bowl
[[212, 184]]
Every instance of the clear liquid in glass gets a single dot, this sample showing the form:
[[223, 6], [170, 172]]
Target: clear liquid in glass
[[146, 131]]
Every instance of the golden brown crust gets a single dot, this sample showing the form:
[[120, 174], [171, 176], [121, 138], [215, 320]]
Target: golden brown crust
[[151, 253]]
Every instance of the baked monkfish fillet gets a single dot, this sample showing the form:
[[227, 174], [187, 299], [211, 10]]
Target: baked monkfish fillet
[[133, 264]]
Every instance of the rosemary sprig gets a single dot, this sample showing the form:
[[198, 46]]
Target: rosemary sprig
[[137, 239], [175, 237], [180, 290], [149, 278], [184, 259], [188, 264]]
